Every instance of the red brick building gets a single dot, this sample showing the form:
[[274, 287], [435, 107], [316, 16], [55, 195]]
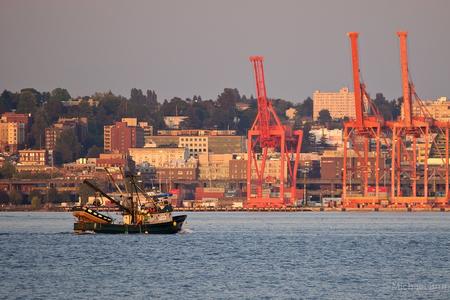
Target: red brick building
[[11, 117], [112, 160], [120, 137]]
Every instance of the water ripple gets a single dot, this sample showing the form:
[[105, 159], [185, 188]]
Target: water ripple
[[231, 256]]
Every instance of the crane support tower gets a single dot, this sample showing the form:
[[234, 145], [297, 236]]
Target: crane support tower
[[360, 164], [409, 161], [269, 140]]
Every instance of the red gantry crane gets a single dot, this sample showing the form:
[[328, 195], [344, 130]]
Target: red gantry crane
[[268, 140], [406, 155], [358, 137]]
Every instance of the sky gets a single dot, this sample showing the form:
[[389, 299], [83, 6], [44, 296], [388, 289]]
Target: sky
[[183, 48]]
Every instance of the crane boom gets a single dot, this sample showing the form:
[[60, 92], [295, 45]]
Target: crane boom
[[356, 79], [263, 105], [407, 105]]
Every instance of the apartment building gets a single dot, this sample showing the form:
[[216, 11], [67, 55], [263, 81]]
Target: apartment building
[[340, 104], [129, 133]]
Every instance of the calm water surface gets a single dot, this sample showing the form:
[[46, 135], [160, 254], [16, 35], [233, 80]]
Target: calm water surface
[[231, 255]]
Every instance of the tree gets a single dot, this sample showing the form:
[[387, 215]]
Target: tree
[[64, 197], [84, 192], [305, 109], [308, 139], [324, 116], [60, 94], [7, 101], [94, 152], [36, 203], [67, 147], [52, 195], [4, 197], [35, 198], [27, 102], [54, 109], [228, 98], [8, 170], [136, 96], [40, 122], [16, 197], [35, 193]]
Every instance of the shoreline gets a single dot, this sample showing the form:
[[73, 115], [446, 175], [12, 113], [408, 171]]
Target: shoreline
[[287, 209]]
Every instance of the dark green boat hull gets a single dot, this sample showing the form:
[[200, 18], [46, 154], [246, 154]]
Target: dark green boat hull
[[162, 228]]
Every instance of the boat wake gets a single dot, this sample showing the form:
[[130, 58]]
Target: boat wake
[[186, 231]]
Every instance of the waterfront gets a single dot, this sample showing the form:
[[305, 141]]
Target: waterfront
[[231, 255]]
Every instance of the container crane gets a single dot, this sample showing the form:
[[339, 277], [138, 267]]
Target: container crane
[[268, 136], [358, 135], [406, 132]]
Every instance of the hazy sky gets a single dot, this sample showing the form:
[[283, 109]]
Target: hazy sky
[[182, 48]]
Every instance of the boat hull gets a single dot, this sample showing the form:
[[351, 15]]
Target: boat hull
[[171, 227]]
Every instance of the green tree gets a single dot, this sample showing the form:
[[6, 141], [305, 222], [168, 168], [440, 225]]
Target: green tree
[[27, 102], [35, 193], [40, 122], [54, 109], [305, 109], [324, 116], [36, 202], [8, 170], [60, 94], [16, 197], [4, 197], [84, 192], [64, 197], [52, 195], [94, 152], [152, 101], [67, 147], [281, 106], [308, 139], [136, 96], [7, 101], [35, 199]]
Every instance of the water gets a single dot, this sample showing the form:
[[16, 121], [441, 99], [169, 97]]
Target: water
[[231, 255]]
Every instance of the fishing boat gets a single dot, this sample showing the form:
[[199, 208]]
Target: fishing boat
[[145, 213]]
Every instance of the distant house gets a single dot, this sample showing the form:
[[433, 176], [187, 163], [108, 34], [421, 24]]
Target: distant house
[[241, 106], [291, 113], [173, 122], [76, 102]]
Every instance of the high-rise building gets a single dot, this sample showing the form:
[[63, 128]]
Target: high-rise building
[[142, 131], [120, 137], [12, 136], [13, 129], [340, 104]]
